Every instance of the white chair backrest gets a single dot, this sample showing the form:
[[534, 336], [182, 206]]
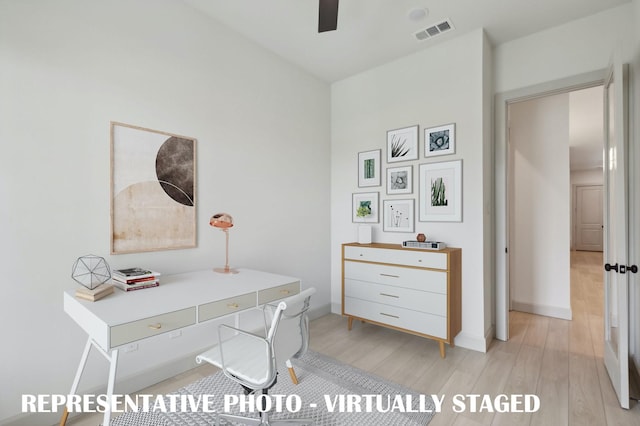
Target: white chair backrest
[[289, 331]]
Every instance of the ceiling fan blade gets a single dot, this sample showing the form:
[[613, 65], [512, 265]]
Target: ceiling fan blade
[[328, 15]]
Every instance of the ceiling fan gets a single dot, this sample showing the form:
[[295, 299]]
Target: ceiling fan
[[328, 15]]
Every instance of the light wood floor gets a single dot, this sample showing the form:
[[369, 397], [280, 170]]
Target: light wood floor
[[560, 361]]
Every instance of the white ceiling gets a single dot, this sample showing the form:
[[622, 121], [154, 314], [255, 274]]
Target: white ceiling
[[373, 32]]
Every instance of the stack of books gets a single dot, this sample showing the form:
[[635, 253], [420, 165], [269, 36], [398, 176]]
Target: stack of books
[[135, 279], [96, 294]]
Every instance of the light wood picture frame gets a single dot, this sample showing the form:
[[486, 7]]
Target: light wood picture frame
[[402, 144], [369, 168], [399, 215], [153, 186], [441, 192]]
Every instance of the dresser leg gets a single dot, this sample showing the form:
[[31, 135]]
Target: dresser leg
[[442, 350], [350, 323]]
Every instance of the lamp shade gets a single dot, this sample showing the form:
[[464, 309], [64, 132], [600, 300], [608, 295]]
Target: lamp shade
[[221, 220]]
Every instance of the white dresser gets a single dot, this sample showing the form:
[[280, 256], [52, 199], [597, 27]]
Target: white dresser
[[412, 290]]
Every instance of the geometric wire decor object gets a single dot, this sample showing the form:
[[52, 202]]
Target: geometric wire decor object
[[91, 271]]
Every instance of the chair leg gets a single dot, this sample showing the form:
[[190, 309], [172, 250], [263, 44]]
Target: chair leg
[[292, 373]]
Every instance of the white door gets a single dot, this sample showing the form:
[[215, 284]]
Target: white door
[[589, 217], [616, 291]]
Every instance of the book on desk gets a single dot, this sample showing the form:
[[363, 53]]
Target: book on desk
[[131, 279]]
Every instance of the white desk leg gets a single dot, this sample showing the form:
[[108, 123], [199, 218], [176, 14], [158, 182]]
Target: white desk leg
[[113, 366], [76, 380]]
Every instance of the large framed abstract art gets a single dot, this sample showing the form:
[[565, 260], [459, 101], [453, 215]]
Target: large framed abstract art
[[153, 186]]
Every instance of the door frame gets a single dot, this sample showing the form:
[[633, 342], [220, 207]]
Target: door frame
[[501, 158]]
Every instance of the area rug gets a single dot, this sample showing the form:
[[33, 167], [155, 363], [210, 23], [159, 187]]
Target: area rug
[[324, 383]]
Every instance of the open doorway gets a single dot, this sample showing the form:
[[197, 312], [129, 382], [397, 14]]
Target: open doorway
[[555, 180]]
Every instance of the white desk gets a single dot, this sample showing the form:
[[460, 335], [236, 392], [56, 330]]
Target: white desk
[[181, 300]]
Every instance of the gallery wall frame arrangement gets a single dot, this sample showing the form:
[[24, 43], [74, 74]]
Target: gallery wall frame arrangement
[[440, 140], [369, 168], [153, 183], [365, 207], [398, 215], [441, 192], [402, 144], [400, 180]]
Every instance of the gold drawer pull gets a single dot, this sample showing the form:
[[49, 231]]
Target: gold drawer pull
[[389, 295], [389, 275], [389, 315], [285, 291], [156, 326], [233, 305]]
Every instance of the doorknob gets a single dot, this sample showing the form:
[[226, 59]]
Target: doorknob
[[622, 268], [608, 267]]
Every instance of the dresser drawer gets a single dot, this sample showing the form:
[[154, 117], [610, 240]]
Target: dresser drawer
[[136, 330], [423, 259], [226, 306], [280, 292], [421, 301], [420, 322], [417, 279]]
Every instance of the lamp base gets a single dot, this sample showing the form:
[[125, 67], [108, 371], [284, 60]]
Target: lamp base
[[226, 270]]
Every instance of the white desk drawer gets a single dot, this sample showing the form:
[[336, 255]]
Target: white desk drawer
[[420, 322], [136, 330], [226, 306], [280, 292], [416, 300], [423, 259], [418, 279]]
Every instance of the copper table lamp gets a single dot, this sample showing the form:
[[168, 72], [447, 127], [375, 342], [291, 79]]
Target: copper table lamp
[[223, 221]]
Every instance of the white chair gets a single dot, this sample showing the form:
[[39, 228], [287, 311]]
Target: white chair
[[253, 361]]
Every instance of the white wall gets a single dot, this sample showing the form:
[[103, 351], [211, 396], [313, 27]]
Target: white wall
[[440, 85], [69, 67], [563, 51], [587, 177], [540, 206]]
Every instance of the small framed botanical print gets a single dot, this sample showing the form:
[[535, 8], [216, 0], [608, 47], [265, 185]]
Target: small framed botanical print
[[400, 180], [398, 215], [440, 140], [365, 207], [369, 168], [402, 144]]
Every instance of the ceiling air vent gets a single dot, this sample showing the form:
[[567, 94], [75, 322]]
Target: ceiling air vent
[[435, 30]]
